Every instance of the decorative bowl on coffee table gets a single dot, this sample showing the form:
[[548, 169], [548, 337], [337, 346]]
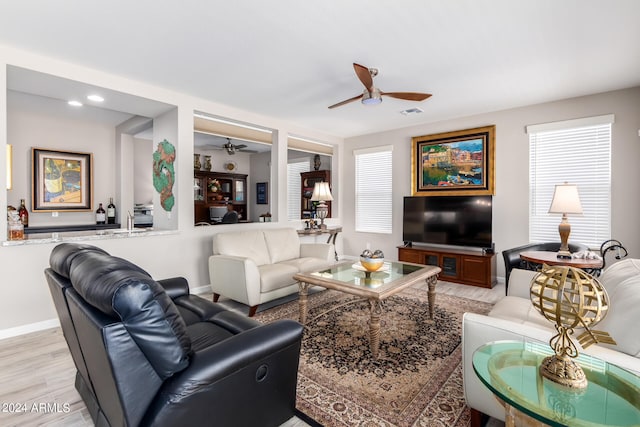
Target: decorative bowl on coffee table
[[371, 264]]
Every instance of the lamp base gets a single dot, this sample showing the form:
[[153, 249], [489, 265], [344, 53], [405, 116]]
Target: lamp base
[[564, 371], [564, 254]]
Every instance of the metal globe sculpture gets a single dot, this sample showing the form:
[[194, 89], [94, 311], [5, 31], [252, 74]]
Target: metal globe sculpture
[[570, 298]]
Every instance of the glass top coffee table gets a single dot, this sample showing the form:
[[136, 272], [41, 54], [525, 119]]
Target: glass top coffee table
[[510, 370], [351, 278]]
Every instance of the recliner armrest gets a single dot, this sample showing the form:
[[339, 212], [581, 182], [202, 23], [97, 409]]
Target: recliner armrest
[[175, 287]]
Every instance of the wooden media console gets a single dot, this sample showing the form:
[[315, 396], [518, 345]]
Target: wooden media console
[[458, 265]]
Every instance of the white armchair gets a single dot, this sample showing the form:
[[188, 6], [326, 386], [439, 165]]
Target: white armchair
[[515, 318], [256, 266]]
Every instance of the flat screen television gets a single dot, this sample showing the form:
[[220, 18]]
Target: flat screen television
[[448, 220]]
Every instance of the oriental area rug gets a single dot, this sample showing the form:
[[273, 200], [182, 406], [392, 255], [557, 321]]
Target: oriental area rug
[[417, 378]]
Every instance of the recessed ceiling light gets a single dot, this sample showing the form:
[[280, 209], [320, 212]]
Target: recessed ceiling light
[[75, 103], [95, 98]]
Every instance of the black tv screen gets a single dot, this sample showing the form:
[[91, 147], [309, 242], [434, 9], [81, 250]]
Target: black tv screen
[[448, 220]]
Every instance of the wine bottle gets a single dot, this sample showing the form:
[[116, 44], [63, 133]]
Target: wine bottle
[[100, 215], [52, 180], [24, 214], [111, 212]]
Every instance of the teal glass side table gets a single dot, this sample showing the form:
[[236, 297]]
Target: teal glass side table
[[510, 370]]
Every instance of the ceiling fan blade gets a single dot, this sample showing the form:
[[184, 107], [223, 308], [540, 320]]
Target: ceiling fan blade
[[237, 147], [364, 75], [355, 98], [410, 96]]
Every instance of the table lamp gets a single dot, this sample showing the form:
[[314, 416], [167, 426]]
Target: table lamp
[[565, 201], [322, 194]]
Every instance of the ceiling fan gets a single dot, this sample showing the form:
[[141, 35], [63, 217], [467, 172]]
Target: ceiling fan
[[372, 95], [233, 148]]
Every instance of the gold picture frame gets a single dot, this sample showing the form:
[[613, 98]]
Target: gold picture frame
[[459, 163], [61, 181]]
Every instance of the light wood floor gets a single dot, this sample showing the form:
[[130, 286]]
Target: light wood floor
[[38, 372]]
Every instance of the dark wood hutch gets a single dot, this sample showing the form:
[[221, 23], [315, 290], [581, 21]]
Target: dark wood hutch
[[307, 207], [233, 189]]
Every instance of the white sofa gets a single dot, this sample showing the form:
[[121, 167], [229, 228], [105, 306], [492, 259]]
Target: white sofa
[[515, 318], [256, 266]]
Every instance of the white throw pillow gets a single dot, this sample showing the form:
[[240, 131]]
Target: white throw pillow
[[623, 316]]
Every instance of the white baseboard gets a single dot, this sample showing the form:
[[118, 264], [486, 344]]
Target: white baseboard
[[27, 329], [201, 290]]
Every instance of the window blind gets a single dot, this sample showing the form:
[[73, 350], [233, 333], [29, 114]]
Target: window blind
[[373, 202], [578, 155], [294, 188]]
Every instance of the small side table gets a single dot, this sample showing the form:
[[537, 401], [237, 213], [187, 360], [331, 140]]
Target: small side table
[[331, 231], [534, 260], [510, 370]]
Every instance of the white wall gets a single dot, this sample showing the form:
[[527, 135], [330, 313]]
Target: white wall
[[25, 300], [510, 207], [166, 217], [24, 296], [37, 122], [143, 171], [260, 172]]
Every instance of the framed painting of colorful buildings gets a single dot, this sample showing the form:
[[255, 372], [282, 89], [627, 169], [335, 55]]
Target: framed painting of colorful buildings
[[459, 163]]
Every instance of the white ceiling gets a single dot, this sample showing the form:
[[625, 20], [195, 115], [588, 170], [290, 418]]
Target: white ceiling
[[291, 59]]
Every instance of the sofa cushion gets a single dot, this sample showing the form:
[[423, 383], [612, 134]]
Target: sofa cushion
[[276, 276], [623, 316], [308, 264], [618, 273], [519, 310], [245, 244], [206, 334], [283, 244]]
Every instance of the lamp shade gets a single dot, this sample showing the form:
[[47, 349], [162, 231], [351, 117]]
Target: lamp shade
[[321, 192], [566, 200]]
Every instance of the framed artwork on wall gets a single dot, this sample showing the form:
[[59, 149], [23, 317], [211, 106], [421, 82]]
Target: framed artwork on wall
[[262, 193], [459, 163], [61, 180]]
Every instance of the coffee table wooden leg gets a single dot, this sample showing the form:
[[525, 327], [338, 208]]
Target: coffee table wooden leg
[[431, 295], [304, 292], [375, 307]]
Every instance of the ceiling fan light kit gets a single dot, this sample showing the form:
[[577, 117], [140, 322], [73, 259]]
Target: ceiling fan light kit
[[372, 95], [371, 98]]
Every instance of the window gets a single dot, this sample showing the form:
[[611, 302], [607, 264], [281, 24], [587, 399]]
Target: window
[[294, 189], [577, 152], [374, 189]]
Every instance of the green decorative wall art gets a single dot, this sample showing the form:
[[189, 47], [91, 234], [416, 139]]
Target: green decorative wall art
[[164, 174]]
